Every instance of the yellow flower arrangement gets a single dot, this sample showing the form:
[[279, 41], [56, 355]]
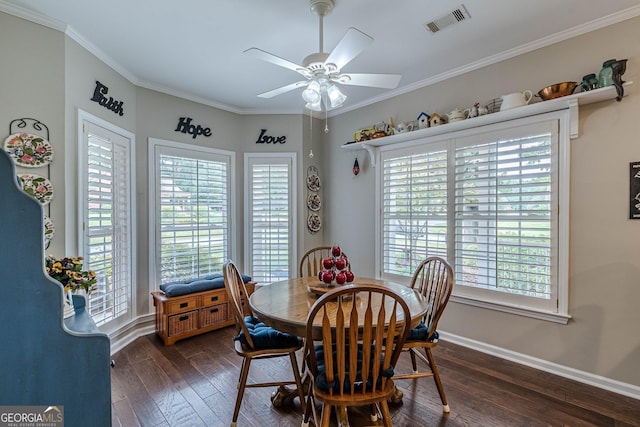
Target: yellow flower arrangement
[[68, 271]]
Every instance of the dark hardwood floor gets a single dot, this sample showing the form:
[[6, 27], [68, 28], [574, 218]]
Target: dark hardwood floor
[[193, 383]]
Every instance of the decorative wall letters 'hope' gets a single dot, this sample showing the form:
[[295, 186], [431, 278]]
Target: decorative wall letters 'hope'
[[109, 103], [266, 139], [185, 126]]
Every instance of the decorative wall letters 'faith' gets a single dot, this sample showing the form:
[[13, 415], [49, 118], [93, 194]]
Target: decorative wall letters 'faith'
[[266, 139], [109, 103], [185, 126]]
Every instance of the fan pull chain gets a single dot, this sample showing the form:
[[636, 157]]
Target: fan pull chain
[[326, 121], [311, 133]]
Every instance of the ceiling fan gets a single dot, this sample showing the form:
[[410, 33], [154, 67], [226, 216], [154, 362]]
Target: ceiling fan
[[322, 70]]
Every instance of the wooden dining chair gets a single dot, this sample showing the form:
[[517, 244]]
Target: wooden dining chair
[[363, 330], [255, 340], [434, 279], [311, 262]]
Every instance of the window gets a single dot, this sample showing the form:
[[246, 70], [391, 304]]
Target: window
[[107, 211], [487, 200], [191, 210], [414, 209], [269, 202]]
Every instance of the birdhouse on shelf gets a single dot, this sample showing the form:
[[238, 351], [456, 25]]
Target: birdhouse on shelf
[[436, 120], [423, 120]]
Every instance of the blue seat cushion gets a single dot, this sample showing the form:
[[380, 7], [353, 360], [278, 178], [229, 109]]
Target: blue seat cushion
[[265, 337], [419, 333], [321, 378], [206, 283]]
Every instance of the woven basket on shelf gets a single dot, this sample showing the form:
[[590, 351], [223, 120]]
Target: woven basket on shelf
[[493, 106]]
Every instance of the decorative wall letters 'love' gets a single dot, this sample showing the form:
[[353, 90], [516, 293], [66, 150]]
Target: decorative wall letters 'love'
[[266, 139], [109, 103]]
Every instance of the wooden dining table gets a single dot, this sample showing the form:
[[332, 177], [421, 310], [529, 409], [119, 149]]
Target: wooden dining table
[[285, 305]]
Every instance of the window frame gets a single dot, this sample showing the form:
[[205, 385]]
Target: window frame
[[291, 157], [85, 117], [154, 145], [560, 211]]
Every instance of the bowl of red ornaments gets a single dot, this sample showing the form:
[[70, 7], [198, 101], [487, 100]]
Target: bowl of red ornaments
[[335, 272]]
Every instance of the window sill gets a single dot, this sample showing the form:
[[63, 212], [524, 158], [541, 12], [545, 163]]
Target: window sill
[[571, 102], [520, 311]]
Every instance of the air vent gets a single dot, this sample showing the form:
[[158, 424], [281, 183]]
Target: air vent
[[458, 15]]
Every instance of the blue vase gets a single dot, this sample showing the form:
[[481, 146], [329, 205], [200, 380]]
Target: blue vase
[[605, 77]]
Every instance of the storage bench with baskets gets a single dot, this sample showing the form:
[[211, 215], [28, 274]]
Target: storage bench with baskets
[[189, 308]]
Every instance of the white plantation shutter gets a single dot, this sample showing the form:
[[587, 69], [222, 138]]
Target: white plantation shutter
[[414, 210], [108, 208], [488, 203], [270, 214], [191, 213], [504, 233]]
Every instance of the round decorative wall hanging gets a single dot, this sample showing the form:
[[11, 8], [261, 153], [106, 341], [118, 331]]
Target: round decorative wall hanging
[[38, 187], [313, 202], [313, 223], [313, 182], [28, 150], [49, 229]]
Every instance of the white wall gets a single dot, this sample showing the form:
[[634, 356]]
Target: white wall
[[602, 338], [32, 85], [82, 69]]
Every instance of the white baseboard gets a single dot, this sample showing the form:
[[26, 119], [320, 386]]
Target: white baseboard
[[141, 326], [145, 325], [609, 384]]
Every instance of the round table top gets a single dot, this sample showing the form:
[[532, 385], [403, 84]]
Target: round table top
[[284, 305]]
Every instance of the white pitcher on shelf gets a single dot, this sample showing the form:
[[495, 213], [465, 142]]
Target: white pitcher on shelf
[[516, 99]]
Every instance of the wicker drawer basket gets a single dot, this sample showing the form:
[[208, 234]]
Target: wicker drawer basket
[[183, 323]]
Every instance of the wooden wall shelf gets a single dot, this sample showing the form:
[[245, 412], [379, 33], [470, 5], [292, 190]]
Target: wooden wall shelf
[[571, 102]]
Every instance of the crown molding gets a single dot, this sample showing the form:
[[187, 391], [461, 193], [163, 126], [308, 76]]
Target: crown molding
[[32, 16], [101, 55], [188, 96], [596, 24], [579, 30]]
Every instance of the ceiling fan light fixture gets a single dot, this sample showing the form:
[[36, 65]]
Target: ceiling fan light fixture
[[315, 106], [336, 97], [322, 70], [311, 94]]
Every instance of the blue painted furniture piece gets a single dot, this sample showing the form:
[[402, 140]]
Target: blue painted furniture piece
[[44, 360]]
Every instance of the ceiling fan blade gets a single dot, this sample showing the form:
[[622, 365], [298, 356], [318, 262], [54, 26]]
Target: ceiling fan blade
[[269, 57], [283, 89], [385, 81], [350, 45]]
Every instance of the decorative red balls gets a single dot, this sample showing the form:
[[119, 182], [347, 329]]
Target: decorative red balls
[[336, 251], [327, 276], [335, 268]]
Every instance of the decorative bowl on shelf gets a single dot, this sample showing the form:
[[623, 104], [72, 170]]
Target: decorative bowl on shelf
[[557, 90]]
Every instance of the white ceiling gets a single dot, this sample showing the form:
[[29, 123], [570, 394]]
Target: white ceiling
[[194, 48]]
